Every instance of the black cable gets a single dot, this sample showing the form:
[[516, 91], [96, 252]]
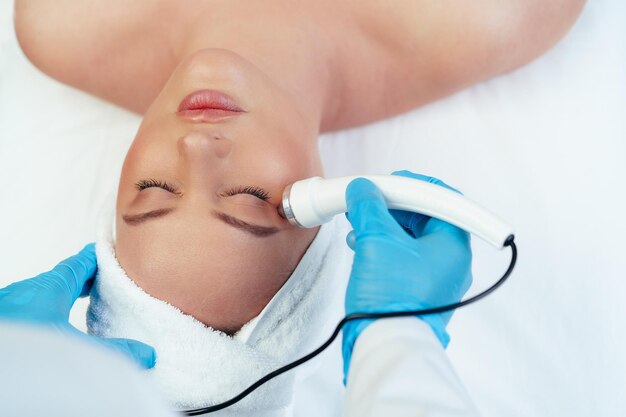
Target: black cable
[[359, 316]]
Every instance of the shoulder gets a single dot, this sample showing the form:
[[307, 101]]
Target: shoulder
[[88, 44], [502, 32], [421, 51]]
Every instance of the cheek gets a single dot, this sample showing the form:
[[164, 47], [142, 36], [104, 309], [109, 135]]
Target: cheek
[[148, 157], [278, 164], [151, 149]]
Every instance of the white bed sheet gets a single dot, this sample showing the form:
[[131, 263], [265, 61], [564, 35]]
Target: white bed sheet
[[543, 146]]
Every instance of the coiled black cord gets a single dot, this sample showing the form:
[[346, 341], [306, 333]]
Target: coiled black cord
[[359, 316]]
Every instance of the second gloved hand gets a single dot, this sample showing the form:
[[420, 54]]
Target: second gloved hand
[[47, 299], [403, 261]]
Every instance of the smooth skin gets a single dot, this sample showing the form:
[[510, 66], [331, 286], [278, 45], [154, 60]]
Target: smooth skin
[[298, 68], [360, 61]]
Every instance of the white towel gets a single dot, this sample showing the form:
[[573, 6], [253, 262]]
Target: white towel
[[198, 366]]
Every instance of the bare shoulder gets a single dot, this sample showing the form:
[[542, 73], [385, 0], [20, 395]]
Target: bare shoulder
[[91, 43], [390, 57], [431, 49], [470, 38]]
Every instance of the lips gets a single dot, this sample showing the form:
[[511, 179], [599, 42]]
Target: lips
[[208, 106]]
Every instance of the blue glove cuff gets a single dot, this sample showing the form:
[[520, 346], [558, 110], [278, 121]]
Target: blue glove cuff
[[351, 331], [436, 322]]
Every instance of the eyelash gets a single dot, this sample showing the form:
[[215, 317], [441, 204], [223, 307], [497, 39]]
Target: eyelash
[[255, 191], [150, 183]]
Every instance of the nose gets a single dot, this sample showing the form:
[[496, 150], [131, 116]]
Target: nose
[[204, 147], [203, 157]]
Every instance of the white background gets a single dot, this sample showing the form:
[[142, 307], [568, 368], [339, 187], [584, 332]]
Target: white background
[[543, 146]]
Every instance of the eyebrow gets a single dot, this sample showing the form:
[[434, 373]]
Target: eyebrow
[[254, 229], [135, 219]]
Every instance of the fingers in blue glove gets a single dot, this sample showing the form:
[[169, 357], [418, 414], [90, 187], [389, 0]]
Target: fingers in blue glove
[[415, 223], [436, 226], [432, 180], [75, 272], [424, 225], [367, 210], [366, 205], [142, 354]]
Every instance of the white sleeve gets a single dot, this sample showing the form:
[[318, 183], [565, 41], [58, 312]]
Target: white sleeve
[[43, 373], [399, 368]]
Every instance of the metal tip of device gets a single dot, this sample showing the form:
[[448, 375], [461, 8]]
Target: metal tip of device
[[281, 211], [285, 208]]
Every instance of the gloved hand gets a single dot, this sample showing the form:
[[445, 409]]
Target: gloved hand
[[48, 298], [402, 261]]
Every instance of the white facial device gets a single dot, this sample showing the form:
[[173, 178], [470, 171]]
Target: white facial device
[[315, 201]]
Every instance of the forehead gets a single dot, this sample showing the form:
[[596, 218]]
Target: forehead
[[180, 246], [183, 254], [221, 276]]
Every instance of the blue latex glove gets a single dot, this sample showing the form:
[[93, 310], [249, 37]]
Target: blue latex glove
[[48, 298], [402, 261]]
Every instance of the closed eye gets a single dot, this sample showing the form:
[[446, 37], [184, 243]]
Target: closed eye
[[154, 183], [258, 192]]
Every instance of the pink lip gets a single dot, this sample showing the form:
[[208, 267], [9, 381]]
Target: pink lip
[[208, 106]]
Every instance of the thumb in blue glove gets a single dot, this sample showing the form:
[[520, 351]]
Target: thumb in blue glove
[[48, 298], [403, 261]]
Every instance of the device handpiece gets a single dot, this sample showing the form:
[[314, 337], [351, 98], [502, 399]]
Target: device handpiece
[[315, 201]]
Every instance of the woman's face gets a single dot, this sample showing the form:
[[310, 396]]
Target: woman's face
[[197, 223]]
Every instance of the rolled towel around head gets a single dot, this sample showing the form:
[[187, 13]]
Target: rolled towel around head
[[199, 366]]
